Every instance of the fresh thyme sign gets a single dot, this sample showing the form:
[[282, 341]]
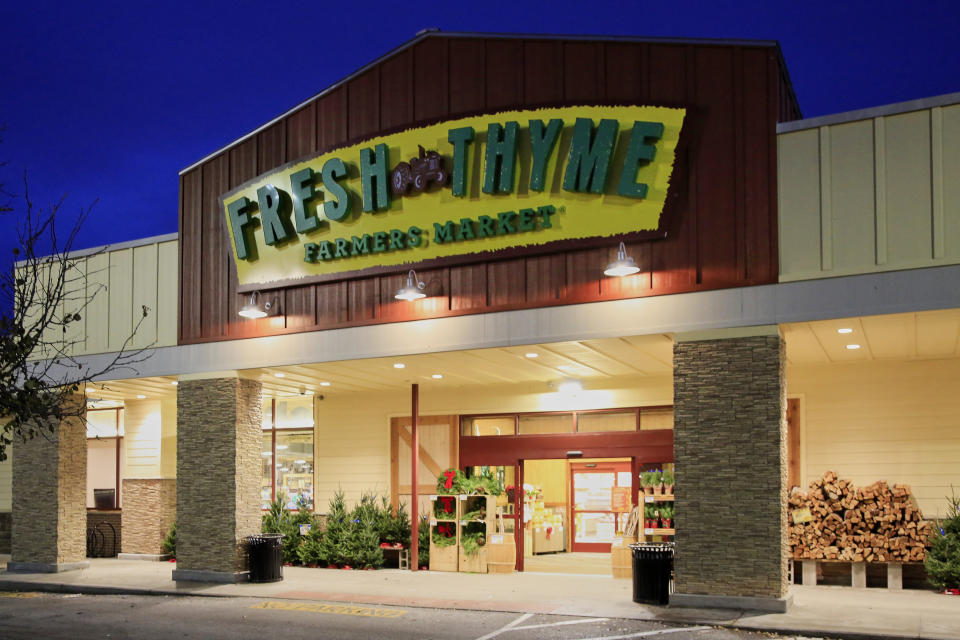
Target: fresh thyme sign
[[467, 186]]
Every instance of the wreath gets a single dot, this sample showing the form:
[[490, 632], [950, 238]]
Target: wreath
[[450, 482]]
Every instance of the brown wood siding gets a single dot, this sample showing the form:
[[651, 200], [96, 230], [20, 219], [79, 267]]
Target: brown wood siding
[[723, 234]]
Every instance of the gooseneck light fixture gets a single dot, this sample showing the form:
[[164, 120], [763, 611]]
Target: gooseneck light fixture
[[255, 309], [624, 265], [413, 290]]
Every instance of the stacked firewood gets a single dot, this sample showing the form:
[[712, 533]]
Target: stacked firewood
[[837, 521]]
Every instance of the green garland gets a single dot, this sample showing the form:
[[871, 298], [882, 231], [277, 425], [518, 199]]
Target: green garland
[[472, 538], [478, 514]]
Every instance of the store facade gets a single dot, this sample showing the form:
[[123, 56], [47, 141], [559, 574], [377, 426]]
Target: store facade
[[549, 153]]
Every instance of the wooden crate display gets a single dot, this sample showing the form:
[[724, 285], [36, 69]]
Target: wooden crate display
[[501, 553], [477, 515], [443, 558], [621, 556]]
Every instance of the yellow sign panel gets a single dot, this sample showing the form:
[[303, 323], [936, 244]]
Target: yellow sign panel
[[468, 186]]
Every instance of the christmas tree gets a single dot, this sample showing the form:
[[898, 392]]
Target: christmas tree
[[943, 560]]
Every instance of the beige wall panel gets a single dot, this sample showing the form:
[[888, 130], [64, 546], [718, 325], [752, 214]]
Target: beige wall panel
[[852, 193], [121, 298], [950, 150], [908, 188], [144, 295], [166, 310], [353, 430], [435, 442], [142, 439], [168, 438], [799, 201], [98, 282], [893, 421], [6, 482]]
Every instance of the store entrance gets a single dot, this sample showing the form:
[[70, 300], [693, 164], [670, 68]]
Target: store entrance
[[569, 513]]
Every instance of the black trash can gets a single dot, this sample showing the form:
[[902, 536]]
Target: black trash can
[[266, 557], [652, 568]]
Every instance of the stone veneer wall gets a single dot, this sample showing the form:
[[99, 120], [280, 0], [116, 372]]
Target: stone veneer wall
[[6, 523], [149, 508], [50, 495], [99, 520], [219, 433], [730, 453]]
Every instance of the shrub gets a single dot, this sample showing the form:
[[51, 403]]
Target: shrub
[[943, 559], [170, 541]]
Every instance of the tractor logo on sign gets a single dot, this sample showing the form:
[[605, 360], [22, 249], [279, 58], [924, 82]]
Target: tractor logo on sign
[[419, 172]]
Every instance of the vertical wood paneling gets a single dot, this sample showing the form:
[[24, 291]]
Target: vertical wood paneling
[[799, 201], [191, 254], [436, 287], [723, 230], [363, 94], [909, 198], [121, 298], [430, 73], [542, 72], [98, 285], [504, 76], [167, 293], [301, 132], [826, 205], [145, 292], [467, 76], [396, 92], [213, 284], [851, 163], [950, 150]]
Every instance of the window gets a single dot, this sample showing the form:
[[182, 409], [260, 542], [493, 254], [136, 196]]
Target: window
[[607, 421], [104, 458], [488, 426], [549, 423], [287, 453]]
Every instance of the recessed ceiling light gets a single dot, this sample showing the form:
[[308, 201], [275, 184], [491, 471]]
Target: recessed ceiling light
[[281, 447], [267, 453], [279, 375], [174, 383], [299, 461], [141, 397], [565, 367], [437, 376], [398, 365], [852, 347], [845, 330], [324, 384], [532, 354]]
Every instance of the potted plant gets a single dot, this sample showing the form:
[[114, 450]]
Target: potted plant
[[666, 516], [656, 481], [650, 516], [668, 481], [646, 481]]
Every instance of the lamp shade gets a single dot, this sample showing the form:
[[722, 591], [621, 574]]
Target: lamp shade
[[254, 309], [413, 290], [624, 265]]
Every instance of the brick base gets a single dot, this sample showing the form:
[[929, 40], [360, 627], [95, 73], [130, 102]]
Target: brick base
[[109, 524], [6, 526], [149, 509]]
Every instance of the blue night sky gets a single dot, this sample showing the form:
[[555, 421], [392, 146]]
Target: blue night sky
[[107, 101]]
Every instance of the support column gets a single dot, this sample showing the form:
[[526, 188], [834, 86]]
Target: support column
[[730, 453], [150, 485], [219, 435], [49, 498]]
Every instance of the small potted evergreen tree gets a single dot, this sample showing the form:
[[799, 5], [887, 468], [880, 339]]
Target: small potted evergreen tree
[[943, 559], [668, 481], [657, 480]]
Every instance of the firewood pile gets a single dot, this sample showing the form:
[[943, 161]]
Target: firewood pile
[[837, 521]]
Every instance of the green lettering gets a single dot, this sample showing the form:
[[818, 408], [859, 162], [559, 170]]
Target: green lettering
[[324, 251], [361, 246], [239, 212], [486, 227], [373, 177], [396, 239], [414, 236], [588, 160], [460, 139], [545, 212], [339, 208], [444, 233], [543, 141], [275, 214], [638, 152], [503, 223], [301, 187], [310, 252], [527, 217], [379, 241], [342, 248], [465, 230], [501, 153]]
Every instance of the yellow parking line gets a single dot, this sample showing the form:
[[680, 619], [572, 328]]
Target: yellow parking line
[[336, 609], [18, 594]]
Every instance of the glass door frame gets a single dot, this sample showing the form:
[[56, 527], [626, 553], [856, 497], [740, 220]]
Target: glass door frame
[[624, 466]]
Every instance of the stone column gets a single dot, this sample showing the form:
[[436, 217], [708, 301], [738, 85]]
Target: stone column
[[50, 498], [150, 485], [730, 453], [218, 476]]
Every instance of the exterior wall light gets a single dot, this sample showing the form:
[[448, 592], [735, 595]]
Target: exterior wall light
[[624, 265], [255, 309], [411, 291]]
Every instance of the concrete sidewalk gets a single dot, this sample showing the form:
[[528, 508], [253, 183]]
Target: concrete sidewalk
[[817, 611]]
